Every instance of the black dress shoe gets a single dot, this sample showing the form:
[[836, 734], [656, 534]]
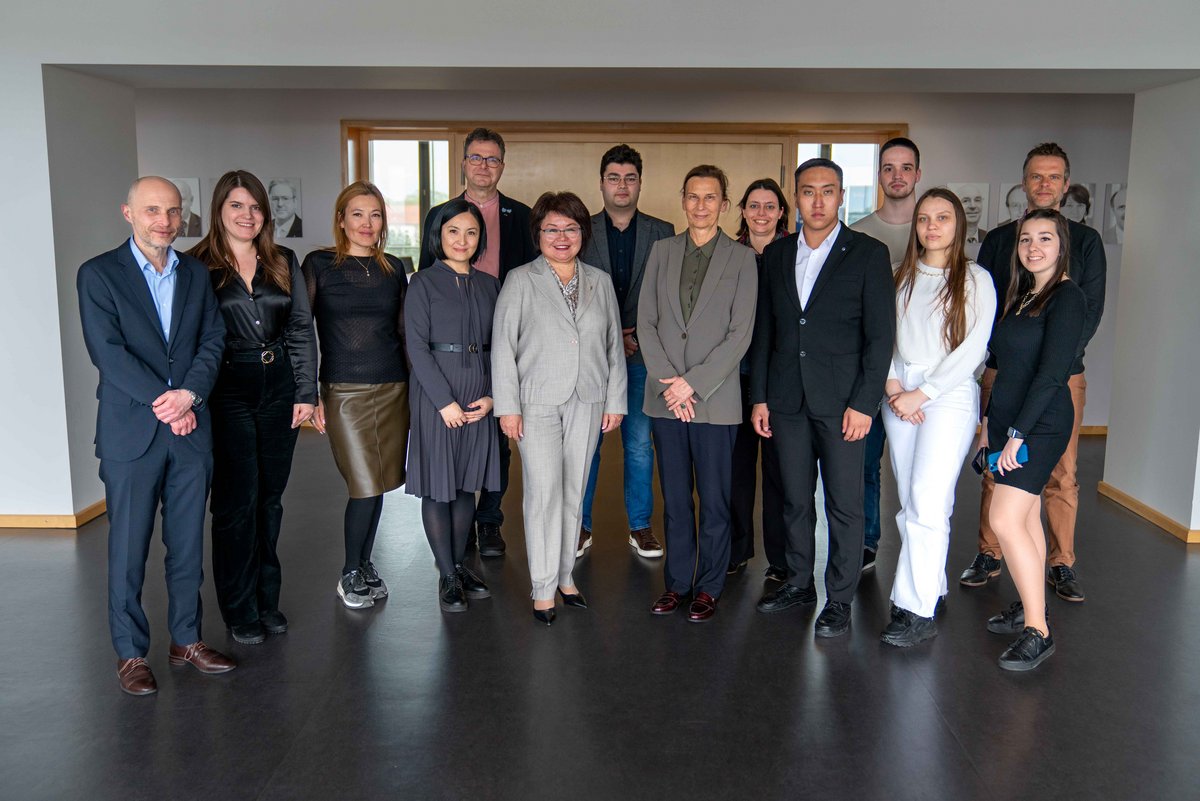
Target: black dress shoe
[[868, 560], [1066, 585], [982, 570], [1030, 650], [490, 541], [774, 573], [787, 596], [906, 629], [248, 633], [573, 599], [1011, 620], [450, 594], [273, 622], [472, 584], [735, 567], [834, 620], [544, 615]]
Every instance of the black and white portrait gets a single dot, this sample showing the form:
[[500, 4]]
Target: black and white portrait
[[1079, 203], [284, 194], [1014, 202], [974, 197], [189, 193], [1114, 214]]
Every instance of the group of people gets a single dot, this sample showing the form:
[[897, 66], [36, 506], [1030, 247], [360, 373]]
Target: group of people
[[551, 327]]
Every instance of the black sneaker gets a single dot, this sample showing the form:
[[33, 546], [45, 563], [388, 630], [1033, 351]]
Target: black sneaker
[[834, 620], [787, 596], [1066, 585], [472, 584], [490, 541], [907, 629], [1011, 621], [868, 560], [273, 621], [450, 594], [1030, 650], [248, 633], [982, 570], [353, 590], [374, 582]]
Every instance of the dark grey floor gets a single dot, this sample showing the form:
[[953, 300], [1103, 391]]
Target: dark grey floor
[[404, 702]]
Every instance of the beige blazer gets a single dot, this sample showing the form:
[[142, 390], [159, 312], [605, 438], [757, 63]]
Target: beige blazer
[[708, 350], [541, 355]]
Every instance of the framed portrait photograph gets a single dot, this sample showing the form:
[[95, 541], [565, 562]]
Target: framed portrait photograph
[[193, 217], [284, 195], [1013, 203], [1114, 213], [974, 197]]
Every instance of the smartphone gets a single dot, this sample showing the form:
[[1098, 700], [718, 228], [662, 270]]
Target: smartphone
[[1022, 457]]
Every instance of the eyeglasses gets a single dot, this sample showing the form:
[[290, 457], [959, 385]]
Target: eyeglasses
[[570, 233], [475, 159], [616, 180]]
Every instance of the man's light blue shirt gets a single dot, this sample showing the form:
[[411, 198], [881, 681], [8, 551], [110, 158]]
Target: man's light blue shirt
[[161, 285]]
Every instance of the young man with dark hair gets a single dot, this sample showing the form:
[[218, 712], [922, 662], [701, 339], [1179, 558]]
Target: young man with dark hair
[[1047, 175], [619, 245], [510, 245], [891, 224], [822, 344]]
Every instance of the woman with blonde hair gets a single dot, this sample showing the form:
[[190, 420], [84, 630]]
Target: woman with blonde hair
[[357, 294]]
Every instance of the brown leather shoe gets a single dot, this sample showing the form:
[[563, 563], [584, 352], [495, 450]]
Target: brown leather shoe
[[135, 677], [642, 540], [585, 542], [667, 603], [201, 657], [703, 607]]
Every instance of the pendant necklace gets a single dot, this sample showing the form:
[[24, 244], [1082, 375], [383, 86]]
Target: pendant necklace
[[1029, 296]]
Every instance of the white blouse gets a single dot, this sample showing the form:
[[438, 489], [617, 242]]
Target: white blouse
[[919, 330]]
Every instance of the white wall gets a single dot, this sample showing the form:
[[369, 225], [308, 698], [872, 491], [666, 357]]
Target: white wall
[[1155, 429], [203, 133]]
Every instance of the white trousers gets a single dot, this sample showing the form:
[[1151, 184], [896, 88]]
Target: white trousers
[[926, 460]]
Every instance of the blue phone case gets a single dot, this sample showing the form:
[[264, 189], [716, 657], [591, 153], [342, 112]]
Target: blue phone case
[[1022, 457]]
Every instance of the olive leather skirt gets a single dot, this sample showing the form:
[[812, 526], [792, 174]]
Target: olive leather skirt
[[367, 425]]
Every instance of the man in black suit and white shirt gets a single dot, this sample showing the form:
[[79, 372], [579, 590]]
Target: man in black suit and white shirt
[[822, 343], [619, 245], [153, 330], [509, 245]]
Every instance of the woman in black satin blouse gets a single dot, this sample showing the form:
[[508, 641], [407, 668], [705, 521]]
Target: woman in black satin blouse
[[266, 388]]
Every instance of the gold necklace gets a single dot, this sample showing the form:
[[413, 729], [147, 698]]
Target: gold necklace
[[1029, 296]]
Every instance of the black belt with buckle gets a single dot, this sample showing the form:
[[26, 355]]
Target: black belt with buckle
[[261, 353], [454, 347]]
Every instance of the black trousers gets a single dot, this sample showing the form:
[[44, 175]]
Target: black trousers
[[173, 474], [253, 442], [801, 440], [745, 480], [695, 456], [489, 510]]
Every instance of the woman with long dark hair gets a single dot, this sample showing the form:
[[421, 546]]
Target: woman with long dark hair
[[357, 291], [266, 388], [764, 219], [453, 445], [1035, 343], [945, 305]]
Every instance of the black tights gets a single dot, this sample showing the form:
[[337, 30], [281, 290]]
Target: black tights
[[362, 521], [447, 526]]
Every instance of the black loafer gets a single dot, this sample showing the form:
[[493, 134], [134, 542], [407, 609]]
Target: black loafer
[[907, 629], [273, 621], [573, 599], [1066, 585], [982, 570], [249, 633], [1030, 650], [787, 596], [834, 620]]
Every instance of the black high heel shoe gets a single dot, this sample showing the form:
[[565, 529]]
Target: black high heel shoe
[[576, 599], [544, 615]]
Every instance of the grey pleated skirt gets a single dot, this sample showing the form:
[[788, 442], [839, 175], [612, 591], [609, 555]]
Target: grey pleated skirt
[[367, 425]]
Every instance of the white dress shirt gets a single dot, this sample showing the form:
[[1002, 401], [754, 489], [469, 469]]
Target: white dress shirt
[[809, 262]]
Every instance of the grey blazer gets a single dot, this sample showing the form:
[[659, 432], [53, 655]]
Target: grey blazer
[[649, 230], [708, 350], [540, 355]]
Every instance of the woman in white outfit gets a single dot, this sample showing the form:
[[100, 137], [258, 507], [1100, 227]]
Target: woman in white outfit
[[945, 306]]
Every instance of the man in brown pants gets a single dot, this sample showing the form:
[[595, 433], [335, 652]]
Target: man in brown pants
[[1046, 178]]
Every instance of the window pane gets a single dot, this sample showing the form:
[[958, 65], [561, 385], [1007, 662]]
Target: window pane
[[858, 163], [413, 176]]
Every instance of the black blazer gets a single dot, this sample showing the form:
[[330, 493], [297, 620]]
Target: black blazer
[[835, 353], [516, 240], [125, 341]]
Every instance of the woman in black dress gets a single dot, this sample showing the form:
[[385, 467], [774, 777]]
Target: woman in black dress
[[1034, 342], [356, 292], [266, 388], [453, 447]]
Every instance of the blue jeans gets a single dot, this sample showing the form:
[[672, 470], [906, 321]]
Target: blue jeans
[[873, 456], [639, 458]]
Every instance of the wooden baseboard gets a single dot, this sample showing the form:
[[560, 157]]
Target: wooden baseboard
[[1156, 517], [1093, 431], [54, 521]]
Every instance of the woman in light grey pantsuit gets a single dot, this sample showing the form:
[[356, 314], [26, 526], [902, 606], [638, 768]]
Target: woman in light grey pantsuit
[[558, 380]]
